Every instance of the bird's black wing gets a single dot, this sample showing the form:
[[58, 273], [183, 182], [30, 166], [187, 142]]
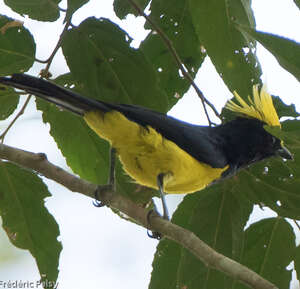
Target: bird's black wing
[[201, 142]]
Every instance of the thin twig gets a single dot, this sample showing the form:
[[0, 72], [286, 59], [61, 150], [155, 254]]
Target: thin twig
[[72, 25], [182, 68], [62, 9], [58, 45], [41, 61], [2, 136]]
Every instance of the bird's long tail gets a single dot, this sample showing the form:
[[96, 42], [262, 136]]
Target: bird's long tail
[[51, 92]]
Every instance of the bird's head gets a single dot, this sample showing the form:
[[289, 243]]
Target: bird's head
[[261, 108]]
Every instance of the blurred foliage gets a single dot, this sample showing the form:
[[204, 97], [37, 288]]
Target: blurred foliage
[[286, 51], [104, 65]]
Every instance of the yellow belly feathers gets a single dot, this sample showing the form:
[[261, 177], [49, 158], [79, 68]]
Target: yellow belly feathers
[[145, 154]]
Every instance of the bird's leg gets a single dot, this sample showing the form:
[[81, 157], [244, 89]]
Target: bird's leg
[[160, 184], [112, 164], [111, 179]]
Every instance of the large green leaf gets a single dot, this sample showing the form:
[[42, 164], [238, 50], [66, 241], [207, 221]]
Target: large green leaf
[[85, 152], [230, 52], [291, 139], [269, 248], [218, 217], [284, 110], [42, 10], [286, 51], [15, 57], [26, 221], [9, 100], [108, 68], [174, 19]]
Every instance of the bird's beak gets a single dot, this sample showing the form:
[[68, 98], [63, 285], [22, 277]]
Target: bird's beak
[[285, 153]]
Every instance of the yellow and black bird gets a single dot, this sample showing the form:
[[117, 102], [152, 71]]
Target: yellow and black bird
[[164, 153]]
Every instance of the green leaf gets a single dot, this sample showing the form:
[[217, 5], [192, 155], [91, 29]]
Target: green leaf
[[284, 110], [26, 221], [217, 216], [174, 19], [276, 189], [13, 56], [123, 8], [74, 5], [85, 152], [291, 139], [9, 100], [231, 53], [269, 249], [286, 51], [42, 10], [109, 69]]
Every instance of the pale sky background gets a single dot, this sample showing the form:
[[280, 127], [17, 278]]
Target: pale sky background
[[101, 250]]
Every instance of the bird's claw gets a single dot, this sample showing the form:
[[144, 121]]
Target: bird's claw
[[153, 234], [100, 189]]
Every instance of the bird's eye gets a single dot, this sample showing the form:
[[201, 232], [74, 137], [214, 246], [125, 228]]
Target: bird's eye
[[274, 139]]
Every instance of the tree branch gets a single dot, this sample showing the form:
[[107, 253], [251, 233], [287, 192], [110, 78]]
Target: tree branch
[[58, 45], [212, 259]]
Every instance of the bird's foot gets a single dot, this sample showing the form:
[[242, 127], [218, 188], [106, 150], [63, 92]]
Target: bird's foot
[[155, 213], [106, 190]]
